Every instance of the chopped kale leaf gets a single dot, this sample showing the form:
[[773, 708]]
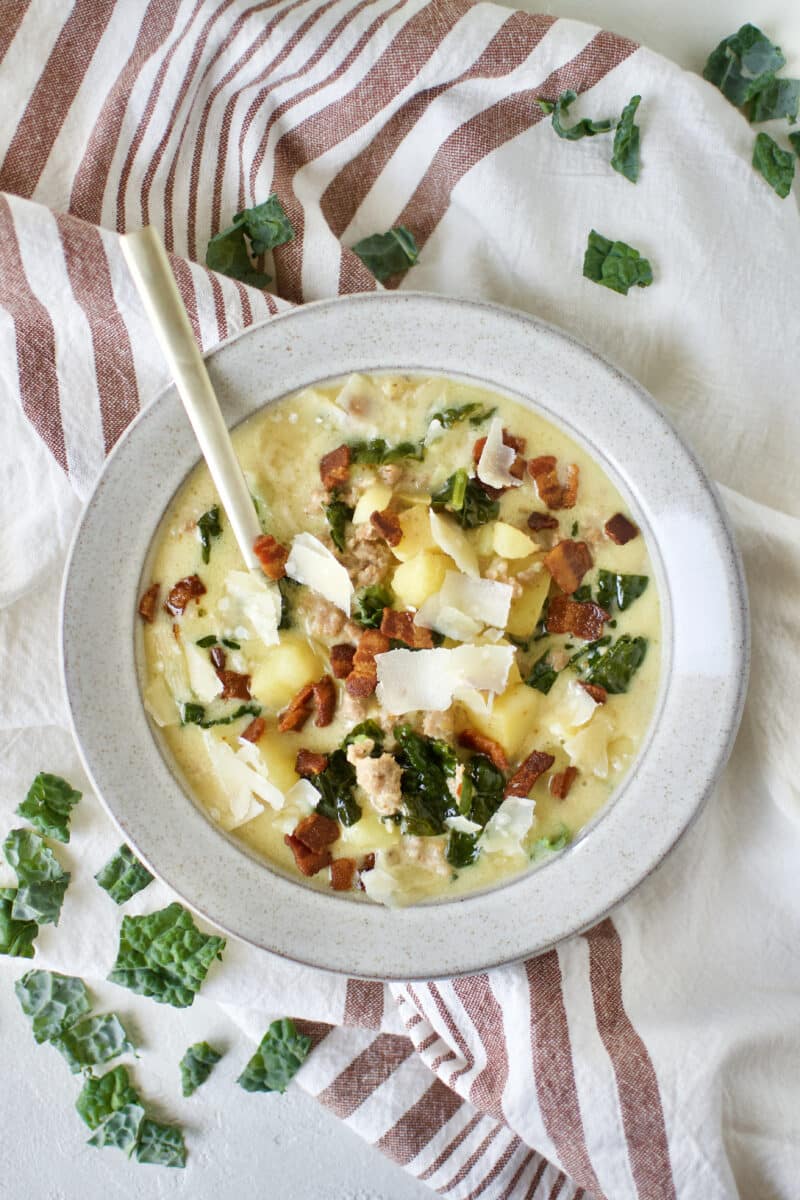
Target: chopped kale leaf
[[560, 109], [48, 805], [120, 1130], [16, 937], [288, 589], [366, 729], [196, 1066], [280, 1055], [53, 1002], [42, 879], [486, 785], [542, 674], [266, 225], [780, 98], [774, 163], [615, 669], [209, 527], [427, 765], [466, 500], [625, 158], [165, 955], [743, 64], [616, 265], [337, 514], [103, 1095], [123, 875], [619, 590], [548, 845], [336, 786], [388, 254], [376, 452], [161, 1145], [462, 848], [475, 413], [369, 603], [195, 714], [93, 1041]]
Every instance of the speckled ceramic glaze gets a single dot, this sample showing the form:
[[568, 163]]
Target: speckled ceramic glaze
[[705, 642]]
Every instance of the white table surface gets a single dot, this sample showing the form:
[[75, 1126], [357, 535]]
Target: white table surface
[[287, 1147]]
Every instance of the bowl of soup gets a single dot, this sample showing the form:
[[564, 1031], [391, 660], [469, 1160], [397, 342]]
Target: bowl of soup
[[469, 700]]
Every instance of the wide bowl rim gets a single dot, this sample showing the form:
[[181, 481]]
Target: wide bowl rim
[[360, 954]]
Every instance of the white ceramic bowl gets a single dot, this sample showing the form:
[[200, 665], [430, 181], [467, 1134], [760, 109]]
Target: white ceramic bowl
[[705, 639]]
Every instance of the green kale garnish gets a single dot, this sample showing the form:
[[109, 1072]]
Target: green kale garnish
[[462, 848], [209, 527], [48, 805], [280, 1055], [542, 674], [584, 128], [288, 589], [369, 729], [589, 653], [123, 875], [196, 1066], [466, 500], [615, 669], [369, 603], [615, 265], [548, 845], [428, 764], [780, 98], [336, 786], [42, 879], [103, 1095], [485, 786], [16, 937], [625, 158], [195, 714], [164, 955], [266, 226], [120, 1130], [388, 254], [337, 514], [475, 413], [775, 164], [93, 1041], [53, 1002], [205, 642], [743, 64], [794, 139], [376, 452], [619, 590], [161, 1145]]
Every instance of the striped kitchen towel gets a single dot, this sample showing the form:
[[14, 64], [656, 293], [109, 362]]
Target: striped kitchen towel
[[655, 1056]]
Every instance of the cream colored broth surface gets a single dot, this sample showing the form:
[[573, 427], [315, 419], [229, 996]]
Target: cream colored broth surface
[[280, 449]]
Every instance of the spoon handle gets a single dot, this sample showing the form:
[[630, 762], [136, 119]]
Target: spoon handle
[[147, 259]]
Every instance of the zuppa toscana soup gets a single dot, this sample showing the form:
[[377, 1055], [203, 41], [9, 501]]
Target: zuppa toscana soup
[[448, 661]]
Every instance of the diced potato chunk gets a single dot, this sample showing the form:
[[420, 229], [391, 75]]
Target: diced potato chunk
[[283, 669], [367, 834], [483, 539], [510, 542], [417, 537], [527, 608], [512, 718], [420, 577], [374, 499]]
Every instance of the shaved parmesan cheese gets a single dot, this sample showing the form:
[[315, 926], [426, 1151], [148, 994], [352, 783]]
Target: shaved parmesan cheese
[[461, 824], [380, 884], [505, 830], [257, 600], [588, 748], [427, 680], [451, 538], [374, 499], [496, 459], [300, 800], [312, 563], [359, 397], [434, 432], [474, 701], [464, 605], [171, 663], [450, 622], [510, 542], [160, 703], [239, 782], [573, 707], [204, 680]]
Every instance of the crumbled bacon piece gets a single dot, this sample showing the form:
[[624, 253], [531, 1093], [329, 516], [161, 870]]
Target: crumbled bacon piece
[[387, 524], [598, 694], [149, 603], [342, 659], [308, 762], [217, 656], [550, 488], [334, 467], [515, 443], [308, 862], [568, 562], [234, 686], [620, 529], [325, 701], [254, 731], [562, 782], [471, 739], [401, 628], [584, 619], [182, 592], [317, 831], [343, 874], [363, 678], [272, 556], [295, 715], [539, 520], [528, 772], [517, 468]]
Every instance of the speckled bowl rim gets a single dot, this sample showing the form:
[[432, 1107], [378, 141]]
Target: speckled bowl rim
[[704, 664]]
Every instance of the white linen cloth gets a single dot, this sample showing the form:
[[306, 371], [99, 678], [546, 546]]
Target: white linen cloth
[[658, 1055]]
